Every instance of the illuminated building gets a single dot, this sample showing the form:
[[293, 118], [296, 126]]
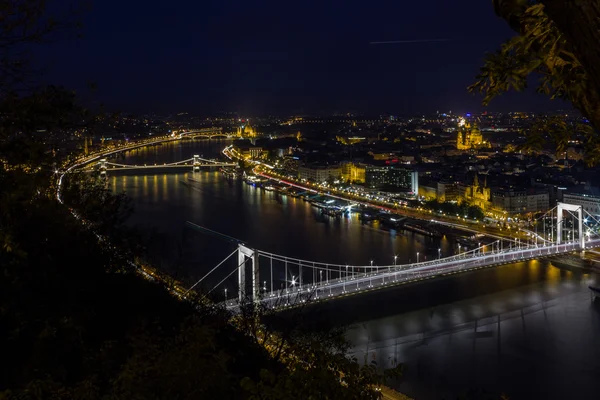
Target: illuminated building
[[477, 194], [246, 131], [404, 178], [251, 152], [589, 199], [376, 176], [447, 191], [352, 172], [379, 177], [440, 191], [290, 164], [523, 201], [350, 140], [319, 173], [469, 136]]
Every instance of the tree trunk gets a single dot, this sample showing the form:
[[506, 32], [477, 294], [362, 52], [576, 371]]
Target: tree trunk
[[579, 21]]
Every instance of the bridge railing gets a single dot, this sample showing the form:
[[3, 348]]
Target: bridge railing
[[400, 273]]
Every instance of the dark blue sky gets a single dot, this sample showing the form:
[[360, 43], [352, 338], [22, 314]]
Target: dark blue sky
[[283, 56]]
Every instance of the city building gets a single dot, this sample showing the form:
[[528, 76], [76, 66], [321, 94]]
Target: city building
[[252, 152], [319, 173], [405, 178], [391, 177], [447, 191], [469, 136], [524, 201], [477, 194], [428, 191], [290, 164], [376, 177], [246, 130], [588, 198], [355, 173]]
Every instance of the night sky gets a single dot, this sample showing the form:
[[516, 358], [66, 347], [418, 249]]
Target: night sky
[[280, 57]]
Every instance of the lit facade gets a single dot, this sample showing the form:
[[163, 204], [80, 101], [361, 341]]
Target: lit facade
[[246, 131], [352, 172], [319, 173], [520, 201], [589, 202], [447, 191], [478, 194], [404, 178], [469, 136], [377, 177]]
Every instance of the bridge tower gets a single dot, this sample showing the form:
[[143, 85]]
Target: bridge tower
[[103, 167], [559, 219], [245, 253], [196, 163]]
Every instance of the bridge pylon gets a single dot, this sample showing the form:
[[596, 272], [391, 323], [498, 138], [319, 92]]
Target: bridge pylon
[[245, 253], [196, 163], [103, 167], [559, 219]]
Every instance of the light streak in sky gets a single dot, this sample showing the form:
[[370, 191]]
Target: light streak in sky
[[411, 41]]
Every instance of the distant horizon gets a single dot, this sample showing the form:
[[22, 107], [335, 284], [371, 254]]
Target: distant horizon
[[277, 58], [337, 113]]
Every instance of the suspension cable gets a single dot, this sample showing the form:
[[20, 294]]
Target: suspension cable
[[209, 272], [227, 277]]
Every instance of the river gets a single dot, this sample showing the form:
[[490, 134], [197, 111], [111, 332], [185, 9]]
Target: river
[[526, 329]]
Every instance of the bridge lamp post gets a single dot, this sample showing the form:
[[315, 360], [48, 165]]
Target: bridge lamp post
[[293, 282], [439, 254], [479, 244], [225, 296], [417, 257], [321, 277], [371, 275], [459, 251]]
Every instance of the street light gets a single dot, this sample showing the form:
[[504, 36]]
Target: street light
[[225, 295], [346, 279], [417, 257], [395, 258], [439, 253]]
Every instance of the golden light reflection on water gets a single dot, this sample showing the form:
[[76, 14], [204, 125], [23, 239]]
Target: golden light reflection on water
[[553, 274], [165, 187], [145, 192], [155, 187], [136, 188], [533, 269]]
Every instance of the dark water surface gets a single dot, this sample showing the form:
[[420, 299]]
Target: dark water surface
[[526, 329]]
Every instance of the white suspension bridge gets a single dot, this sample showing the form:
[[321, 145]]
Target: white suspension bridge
[[195, 163], [292, 281]]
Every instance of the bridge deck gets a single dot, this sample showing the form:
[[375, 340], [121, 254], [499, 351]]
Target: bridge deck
[[389, 276]]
